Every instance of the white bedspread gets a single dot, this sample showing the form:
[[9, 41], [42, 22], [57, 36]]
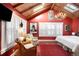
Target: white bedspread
[[71, 42]]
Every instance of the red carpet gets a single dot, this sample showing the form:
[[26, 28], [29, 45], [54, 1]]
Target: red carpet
[[51, 50]]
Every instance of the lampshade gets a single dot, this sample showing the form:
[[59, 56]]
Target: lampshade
[[73, 33]]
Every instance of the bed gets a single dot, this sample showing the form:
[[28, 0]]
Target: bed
[[72, 42]]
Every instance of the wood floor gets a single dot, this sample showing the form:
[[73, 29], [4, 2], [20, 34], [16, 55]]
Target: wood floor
[[52, 49], [47, 49]]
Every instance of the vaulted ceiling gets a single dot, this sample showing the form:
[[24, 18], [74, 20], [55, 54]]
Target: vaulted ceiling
[[27, 9], [60, 8]]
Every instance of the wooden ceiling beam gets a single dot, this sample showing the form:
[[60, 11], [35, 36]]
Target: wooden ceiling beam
[[61, 9], [39, 12], [52, 6], [30, 8], [77, 4], [17, 5]]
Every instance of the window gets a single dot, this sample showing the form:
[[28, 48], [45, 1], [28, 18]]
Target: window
[[71, 8], [50, 29], [39, 7], [10, 32]]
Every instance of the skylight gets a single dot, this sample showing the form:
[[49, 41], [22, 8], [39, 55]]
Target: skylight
[[38, 7], [71, 8]]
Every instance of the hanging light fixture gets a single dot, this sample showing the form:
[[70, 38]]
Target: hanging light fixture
[[60, 15], [20, 29], [21, 24], [51, 14]]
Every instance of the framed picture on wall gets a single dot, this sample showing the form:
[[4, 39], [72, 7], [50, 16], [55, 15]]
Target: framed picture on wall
[[67, 28], [33, 27]]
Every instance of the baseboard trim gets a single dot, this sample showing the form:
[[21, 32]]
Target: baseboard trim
[[47, 41]]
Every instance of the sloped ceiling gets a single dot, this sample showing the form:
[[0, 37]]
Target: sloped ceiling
[[27, 9], [60, 8]]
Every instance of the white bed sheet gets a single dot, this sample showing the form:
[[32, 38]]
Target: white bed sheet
[[71, 42]]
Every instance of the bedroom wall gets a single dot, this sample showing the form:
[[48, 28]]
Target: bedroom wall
[[44, 18], [67, 21], [75, 25]]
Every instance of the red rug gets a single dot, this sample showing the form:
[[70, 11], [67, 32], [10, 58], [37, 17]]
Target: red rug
[[51, 50]]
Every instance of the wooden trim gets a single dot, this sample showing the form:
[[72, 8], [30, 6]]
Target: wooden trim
[[13, 54], [17, 5], [30, 8], [52, 6], [11, 50], [39, 12]]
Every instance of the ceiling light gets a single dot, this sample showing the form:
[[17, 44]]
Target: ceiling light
[[51, 15], [60, 15], [71, 8]]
